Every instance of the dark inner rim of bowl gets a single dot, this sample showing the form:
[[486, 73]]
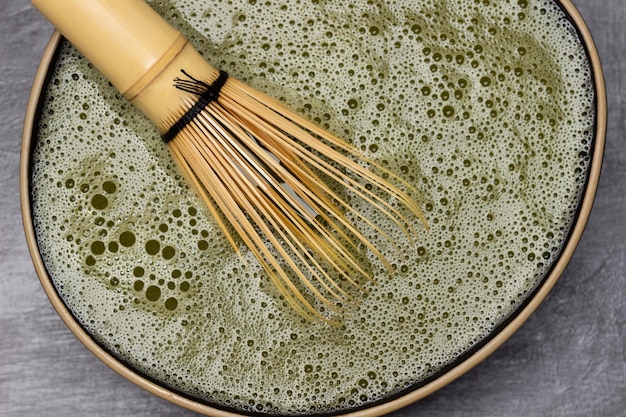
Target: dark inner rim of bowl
[[443, 370]]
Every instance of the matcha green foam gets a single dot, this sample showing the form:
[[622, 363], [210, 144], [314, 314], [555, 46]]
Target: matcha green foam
[[486, 107]]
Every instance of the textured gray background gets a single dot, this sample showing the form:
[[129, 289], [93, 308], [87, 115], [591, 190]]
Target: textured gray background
[[569, 359]]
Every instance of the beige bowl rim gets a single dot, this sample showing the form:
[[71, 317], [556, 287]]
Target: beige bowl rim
[[442, 380]]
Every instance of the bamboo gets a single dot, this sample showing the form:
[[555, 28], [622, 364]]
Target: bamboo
[[257, 165]]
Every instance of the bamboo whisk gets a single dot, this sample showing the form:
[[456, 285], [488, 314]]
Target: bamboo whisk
[[285, 186]]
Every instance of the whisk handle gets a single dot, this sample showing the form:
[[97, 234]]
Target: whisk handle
[[125, 39]]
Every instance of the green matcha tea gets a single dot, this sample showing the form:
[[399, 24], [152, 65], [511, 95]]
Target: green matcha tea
[[485, 107]]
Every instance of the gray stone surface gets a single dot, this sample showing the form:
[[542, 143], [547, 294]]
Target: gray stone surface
[[569, 359]]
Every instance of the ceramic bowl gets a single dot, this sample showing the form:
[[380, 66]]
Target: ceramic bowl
[[456, 367]]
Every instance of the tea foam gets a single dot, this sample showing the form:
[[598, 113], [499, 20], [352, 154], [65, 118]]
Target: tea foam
[[485, 107]]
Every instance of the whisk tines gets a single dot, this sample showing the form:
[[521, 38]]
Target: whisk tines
[[289, 190], [299, 198]]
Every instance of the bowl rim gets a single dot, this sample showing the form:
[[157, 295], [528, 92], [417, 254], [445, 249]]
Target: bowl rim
[[496, 338]]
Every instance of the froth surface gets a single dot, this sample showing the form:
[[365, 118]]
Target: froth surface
[[486, 107]]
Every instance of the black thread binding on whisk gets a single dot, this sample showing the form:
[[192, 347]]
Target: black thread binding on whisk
[[207, 93]]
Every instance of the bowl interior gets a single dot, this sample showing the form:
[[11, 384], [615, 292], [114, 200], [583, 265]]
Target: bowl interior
[[501, 132]]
